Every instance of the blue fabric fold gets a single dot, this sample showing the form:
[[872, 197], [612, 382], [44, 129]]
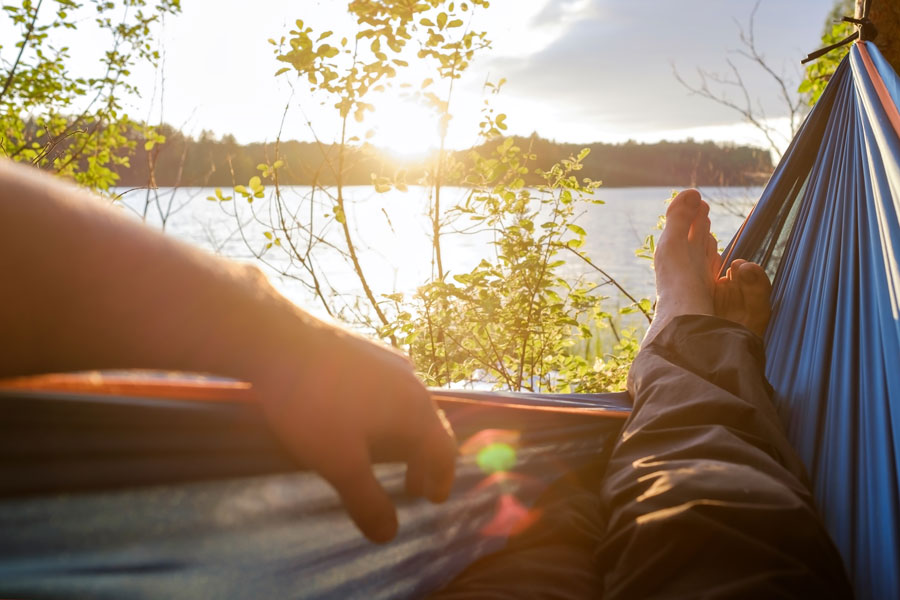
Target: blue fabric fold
[[828, 228]]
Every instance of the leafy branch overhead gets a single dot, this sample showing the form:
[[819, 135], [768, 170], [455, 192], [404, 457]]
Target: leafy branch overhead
[[69, 123]]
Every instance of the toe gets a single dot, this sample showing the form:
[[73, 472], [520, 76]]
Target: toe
[[753, 280], [725, 296], [681, 212], [734, 266], [712, 256], [699, 232], [756, 291]]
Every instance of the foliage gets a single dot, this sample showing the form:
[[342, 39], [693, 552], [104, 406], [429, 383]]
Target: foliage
[[514, 320], [511, 318], [69, 123], [208, 161], [819, 71], [347, 74]]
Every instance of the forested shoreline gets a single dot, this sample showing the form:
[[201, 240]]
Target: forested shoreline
[[206, 161]]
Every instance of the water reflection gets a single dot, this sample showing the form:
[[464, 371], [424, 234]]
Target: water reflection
[[393, 233]]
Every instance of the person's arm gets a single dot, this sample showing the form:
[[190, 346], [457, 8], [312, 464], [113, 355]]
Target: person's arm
[[85, 287]]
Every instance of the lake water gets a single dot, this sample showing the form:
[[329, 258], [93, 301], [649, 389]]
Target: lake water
[[393, 234]]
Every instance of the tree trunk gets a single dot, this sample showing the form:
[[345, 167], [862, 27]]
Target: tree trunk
[[885, 16]]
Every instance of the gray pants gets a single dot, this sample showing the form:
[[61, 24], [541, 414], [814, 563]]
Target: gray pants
[[701, 496]]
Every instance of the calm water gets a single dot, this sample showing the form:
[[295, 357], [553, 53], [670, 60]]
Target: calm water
[[393, 234]]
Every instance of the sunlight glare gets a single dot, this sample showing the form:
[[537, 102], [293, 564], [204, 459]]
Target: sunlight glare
[[404, 127]]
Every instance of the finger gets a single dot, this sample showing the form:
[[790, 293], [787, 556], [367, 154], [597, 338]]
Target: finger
[[440, 451], [350, 472], [415, 477], [408, 427], [430, 453]]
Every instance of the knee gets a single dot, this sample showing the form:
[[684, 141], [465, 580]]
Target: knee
[[713, 483]]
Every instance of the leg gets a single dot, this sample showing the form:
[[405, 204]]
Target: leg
[[703, 494], [554, 558]]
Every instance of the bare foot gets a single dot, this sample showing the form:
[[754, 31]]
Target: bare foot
[[687, 266], [685, 261], [742, 296]]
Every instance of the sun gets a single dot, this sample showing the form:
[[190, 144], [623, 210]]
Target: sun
[[404, 127]]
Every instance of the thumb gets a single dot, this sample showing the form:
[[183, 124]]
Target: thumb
[[350, 473]]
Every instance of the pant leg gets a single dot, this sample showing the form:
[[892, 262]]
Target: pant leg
[[553, 558], [703, 496]]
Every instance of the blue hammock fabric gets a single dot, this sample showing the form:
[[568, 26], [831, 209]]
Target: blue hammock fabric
[[115, 497], [827, 228]]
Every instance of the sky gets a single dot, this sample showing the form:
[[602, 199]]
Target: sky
[[577, 70]]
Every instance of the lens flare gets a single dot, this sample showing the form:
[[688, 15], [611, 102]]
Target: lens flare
[[496, 457], [494, 451], [510, 519]]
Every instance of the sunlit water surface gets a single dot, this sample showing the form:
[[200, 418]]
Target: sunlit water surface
[[392, 232]]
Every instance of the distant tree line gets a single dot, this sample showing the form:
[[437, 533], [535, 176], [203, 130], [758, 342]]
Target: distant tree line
[[221, 162]]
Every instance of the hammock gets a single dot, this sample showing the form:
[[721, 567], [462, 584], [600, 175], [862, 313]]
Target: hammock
[[827, 228], [114, 489]]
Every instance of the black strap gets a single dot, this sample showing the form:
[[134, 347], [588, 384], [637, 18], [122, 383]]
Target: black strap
[[866, 32]]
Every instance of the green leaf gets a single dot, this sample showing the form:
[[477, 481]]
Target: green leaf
[[576, 229]]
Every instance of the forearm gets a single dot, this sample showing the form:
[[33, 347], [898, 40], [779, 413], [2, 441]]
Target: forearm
[[86, 287]]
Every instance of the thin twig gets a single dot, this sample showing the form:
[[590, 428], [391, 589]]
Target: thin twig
[[610, 278]]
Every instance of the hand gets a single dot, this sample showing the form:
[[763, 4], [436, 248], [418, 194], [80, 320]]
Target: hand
[[339, 403], [105, 292]]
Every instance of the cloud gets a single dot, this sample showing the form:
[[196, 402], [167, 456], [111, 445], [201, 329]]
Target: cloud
[[562, 13], [610, 64]]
